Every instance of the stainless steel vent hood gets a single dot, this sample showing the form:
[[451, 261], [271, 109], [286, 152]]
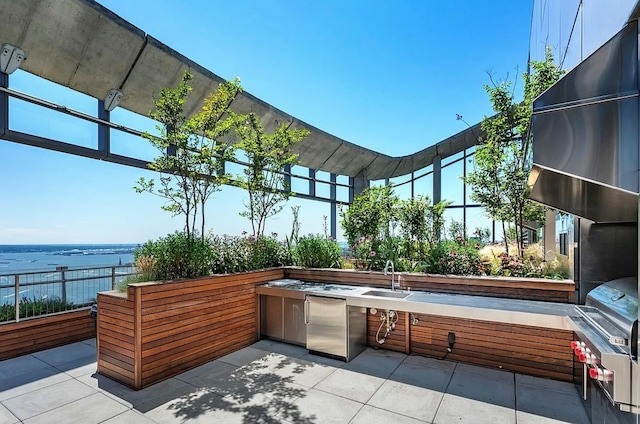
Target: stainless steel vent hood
[[585, 150]]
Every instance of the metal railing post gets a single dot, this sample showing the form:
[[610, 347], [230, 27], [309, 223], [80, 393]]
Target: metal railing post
[[50, 288], [63, 281], [16, 282]]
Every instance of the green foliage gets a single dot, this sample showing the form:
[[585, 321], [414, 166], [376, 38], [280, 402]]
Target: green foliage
[[316, 251], [457, 230], [503, 159], [177, 256], [514, 266], [435, 221], [292, 239], [420, 225], [454, 257], [267, 252], [412, 215], [370, 215], [233, 254], [483, 235], [132, 279], [196, 169], [532, 264], [371, 219], [364, 253], [268, 156], [34, 307], [240, 254]]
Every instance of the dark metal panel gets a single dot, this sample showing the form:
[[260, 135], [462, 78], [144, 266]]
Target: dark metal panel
[[104, 132], [587, 199], [635, 14], [333, 206], [4, 103], [585, 127], [597, 142], [610, 71]]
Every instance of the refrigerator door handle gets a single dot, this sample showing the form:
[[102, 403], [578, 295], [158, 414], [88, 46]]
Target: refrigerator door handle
[[306, 311]]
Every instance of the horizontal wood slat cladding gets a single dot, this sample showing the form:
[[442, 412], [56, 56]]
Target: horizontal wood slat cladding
[[116, 337], [35, 334], [517, 348], [506, 287], [397, 338], [158, 330]]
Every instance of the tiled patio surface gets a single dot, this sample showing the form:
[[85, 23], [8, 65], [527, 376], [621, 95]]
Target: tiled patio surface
[[272, 382]]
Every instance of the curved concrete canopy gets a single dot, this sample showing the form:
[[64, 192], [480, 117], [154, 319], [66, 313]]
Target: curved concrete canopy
[[84, 46]]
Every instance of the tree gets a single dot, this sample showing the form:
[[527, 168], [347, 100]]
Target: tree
[[503, 158], [421, 224], [263, 178], [191, 161], [370, 215]]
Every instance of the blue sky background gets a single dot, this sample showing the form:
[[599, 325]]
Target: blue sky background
[[390, 76]]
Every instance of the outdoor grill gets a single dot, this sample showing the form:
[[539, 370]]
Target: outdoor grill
[[606, 342]]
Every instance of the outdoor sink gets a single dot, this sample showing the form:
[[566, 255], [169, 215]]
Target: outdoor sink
[[386, 293]]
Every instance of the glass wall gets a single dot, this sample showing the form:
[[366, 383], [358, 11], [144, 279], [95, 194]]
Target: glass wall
[[574, 29]]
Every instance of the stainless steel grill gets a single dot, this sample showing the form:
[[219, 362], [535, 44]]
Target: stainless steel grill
[[606, 342]]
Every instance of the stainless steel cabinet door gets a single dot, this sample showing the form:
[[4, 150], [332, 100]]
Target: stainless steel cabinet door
[[327, 325], [295, 330], [271, 307]]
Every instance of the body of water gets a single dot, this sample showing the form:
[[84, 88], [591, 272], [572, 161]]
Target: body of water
[[36, 266], [37, 257]]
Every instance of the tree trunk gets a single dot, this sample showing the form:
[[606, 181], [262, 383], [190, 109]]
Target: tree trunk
[[506, 238]]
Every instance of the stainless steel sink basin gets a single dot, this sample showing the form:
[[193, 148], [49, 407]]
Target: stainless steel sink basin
[[386, 293]]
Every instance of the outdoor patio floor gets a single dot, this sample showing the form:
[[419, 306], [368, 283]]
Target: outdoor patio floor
[[272, 382]]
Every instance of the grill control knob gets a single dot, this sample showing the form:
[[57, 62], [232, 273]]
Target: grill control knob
[[581, 350], [600, 374], [578, 347]]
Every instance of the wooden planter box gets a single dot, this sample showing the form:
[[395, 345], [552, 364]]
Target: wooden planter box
[[562, 291], [44, 332], [157, 330], [524, 349]]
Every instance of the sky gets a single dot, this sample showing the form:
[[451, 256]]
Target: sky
[[389, 76]]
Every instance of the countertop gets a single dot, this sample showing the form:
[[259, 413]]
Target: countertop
[[508, 311]]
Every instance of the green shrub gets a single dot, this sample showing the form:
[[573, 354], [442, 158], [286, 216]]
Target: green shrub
[[178, 256], [233, 254], [140, 278], [267, 252], [34, 307], [316, 251], [454, 257], [532, 264], [239, 254]]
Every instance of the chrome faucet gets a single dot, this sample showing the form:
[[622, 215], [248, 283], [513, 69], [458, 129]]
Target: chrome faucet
[[393, 273]]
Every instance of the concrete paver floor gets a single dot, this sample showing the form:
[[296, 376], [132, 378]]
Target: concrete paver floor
[[271, 382]]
